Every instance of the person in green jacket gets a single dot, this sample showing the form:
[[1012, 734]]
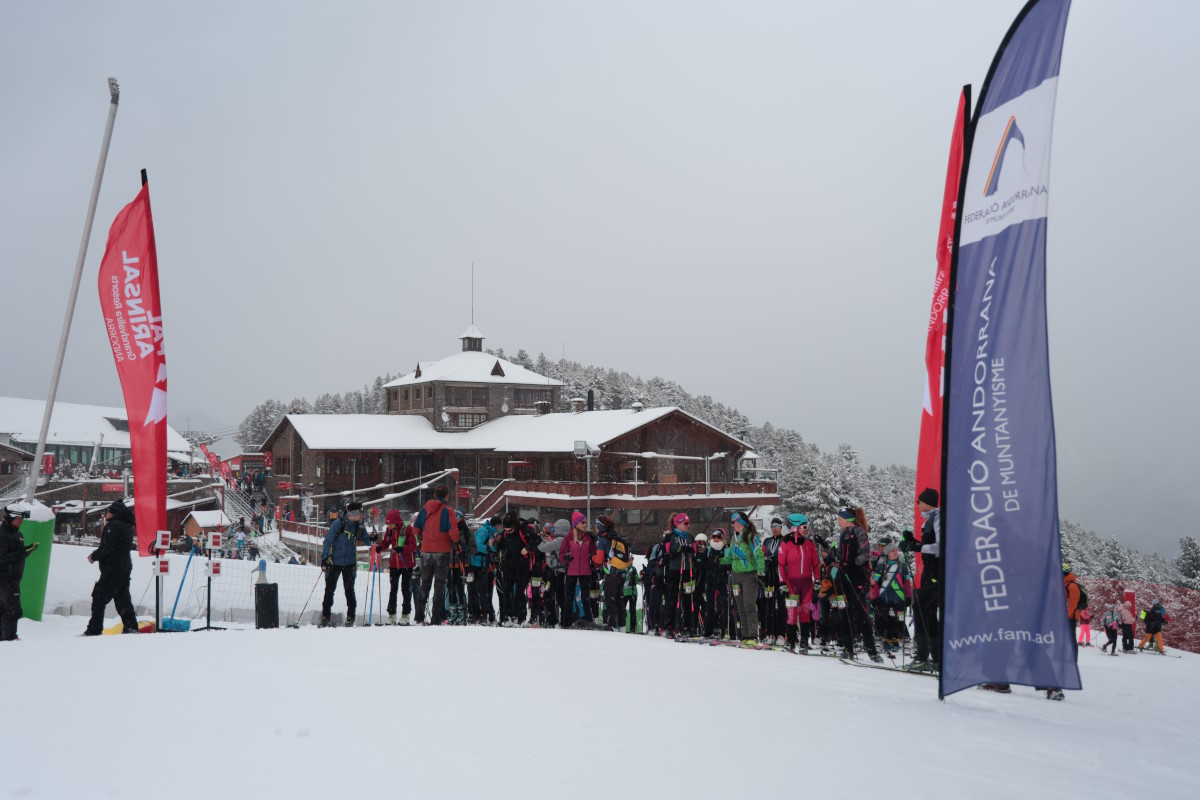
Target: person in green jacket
[[745, 557]]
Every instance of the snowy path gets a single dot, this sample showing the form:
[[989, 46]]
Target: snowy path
[[499, 713]]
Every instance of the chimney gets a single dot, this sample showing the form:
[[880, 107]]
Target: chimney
[[637, 406], [591, 400], [578, 404]]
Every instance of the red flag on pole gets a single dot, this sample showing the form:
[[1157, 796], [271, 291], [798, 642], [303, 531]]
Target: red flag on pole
[[132, 314], [929, 453]]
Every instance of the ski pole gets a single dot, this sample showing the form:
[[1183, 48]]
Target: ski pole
[[306, 602]]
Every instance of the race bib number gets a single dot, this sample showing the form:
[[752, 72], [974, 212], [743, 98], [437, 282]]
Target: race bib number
[[792, 601], [769, 591], [737, 590], [839, 601], [535, 582], [689, 587]]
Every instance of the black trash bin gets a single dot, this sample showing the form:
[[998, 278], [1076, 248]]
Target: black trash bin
[[266, 605]]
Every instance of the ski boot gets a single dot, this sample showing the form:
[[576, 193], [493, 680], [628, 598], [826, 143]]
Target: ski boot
[[999, 688], [391, 619], [404, 619], [1055, 694], [876, 658], [350, 622]]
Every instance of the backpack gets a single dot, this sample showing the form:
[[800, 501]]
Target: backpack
[[1083, 597]]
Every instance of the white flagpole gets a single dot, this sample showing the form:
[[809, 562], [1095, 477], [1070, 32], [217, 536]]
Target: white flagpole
[[114, 92]]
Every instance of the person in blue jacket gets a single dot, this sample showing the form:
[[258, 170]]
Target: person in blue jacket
[[487, 538], [339, 556]]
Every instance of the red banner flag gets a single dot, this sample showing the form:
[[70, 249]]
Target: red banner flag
[[214, 463], [929, 453], [132, 314]]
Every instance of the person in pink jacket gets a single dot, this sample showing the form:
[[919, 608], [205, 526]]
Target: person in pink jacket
[[576, 552], [799, 569]]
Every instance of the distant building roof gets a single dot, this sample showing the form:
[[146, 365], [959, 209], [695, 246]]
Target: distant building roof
[[209, 519], [472, 333], [74, 424], [473, 367]]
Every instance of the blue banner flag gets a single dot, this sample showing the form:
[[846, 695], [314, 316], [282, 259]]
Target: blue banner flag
[[1005, 611]]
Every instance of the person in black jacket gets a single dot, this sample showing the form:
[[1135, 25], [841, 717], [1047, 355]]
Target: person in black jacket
[[13, 552], [519, 541], [716, 588], [854, 557], [112, 555], [929, 593]]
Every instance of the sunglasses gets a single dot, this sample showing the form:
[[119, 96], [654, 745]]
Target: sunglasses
[[776, 525]]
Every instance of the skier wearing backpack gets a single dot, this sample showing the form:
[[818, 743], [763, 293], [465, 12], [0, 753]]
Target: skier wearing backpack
[[771, 612], [439, 536], [1072, 590], [619, 562], [517, 563], [677, 599], [553, 574], [895, 593], [850, 580], [1154, 620], [799, 569], [929, 595], [479, 592], [13, 552], [1112, 626], [402, 541], [716, 584], [339, 557]]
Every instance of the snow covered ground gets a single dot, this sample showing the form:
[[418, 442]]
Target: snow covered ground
[[500, 713]]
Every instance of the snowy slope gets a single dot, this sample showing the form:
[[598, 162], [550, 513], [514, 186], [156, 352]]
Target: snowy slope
[[500, 713]]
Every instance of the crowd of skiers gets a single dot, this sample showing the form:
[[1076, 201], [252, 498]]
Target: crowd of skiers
[[782, 587]]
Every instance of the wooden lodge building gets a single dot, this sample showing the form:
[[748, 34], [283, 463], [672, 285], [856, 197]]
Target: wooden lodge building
[[489, 419]]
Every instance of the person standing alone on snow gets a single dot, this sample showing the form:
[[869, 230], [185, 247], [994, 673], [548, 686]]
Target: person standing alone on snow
[[339, 556], [116, 540], [13, 552]]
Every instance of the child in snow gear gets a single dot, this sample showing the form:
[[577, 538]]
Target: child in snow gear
[[1112, 626], [745, 558], [339, 556], [401, 540], [798, 569], [116, 540], [716, 584], [13, 552], [895, 592], [619, 561], [554, 573], [1154, 620], [830, 614], [1085, 624], [850, 578], [1127, 627], [700, 558]]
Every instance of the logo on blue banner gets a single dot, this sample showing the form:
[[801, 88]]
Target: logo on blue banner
[[1011, 133]]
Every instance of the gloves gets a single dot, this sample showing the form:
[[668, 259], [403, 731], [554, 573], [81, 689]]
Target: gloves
[[30, 548]]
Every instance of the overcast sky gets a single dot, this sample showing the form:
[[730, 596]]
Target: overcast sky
[[741, 197]]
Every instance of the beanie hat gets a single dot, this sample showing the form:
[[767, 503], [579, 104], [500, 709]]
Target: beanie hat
[[846, 513], [494, 521], [776, 521], [577, 518], [393, 517], [117, 506], [510, 519], [929, 497], [353, 506], [796, 520], [738, 517], [700, 537]]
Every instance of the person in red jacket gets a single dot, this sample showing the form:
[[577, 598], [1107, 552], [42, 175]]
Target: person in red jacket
[[576, 552], [799, 569], [401, 540], [438, 527]]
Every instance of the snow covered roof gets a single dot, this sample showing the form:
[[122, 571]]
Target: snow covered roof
[[557, 433], [368, 432], [209, 519], [472, 333], [547, 433], [473, 366], [73, 424]]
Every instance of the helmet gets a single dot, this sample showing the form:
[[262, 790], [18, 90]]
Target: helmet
[[700, 537], [12, 512]]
